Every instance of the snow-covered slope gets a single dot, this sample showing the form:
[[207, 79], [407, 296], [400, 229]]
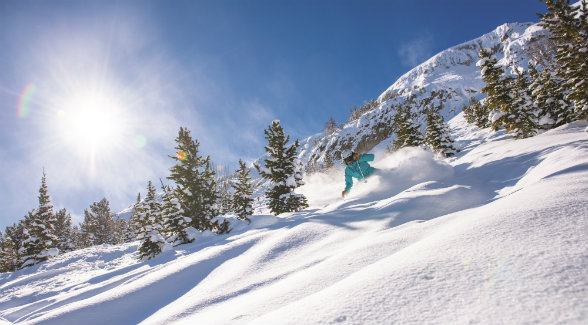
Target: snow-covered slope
[[496, 235], [446, 82]]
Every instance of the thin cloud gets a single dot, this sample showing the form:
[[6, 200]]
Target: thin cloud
[[416, 51]]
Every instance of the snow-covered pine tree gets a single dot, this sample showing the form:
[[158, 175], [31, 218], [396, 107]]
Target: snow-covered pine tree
[[78, 237], [16, 234], [497, 89], [284, 170], [176, 224], [330, 127], [8, 253], [120, 230], [133, 223], [151, 229], [243, 196], [406, 129], [214, 201], [476, 113], [468, 111], [88, 229], [196, 189], [40, 241], [553, 111], [104, 231], [8, 256], [328, 160], [569, 29], [226, 197], [64, 231], [525, 113], [437, 134]]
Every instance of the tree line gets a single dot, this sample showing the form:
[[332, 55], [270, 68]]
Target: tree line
[[196, 201]]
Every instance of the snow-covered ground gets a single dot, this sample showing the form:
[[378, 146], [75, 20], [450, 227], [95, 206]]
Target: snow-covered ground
[[496, 235]]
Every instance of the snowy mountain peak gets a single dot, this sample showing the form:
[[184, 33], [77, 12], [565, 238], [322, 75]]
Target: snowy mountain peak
[[446, 81]]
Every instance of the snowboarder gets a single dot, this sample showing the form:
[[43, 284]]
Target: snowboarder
[[357, 166]]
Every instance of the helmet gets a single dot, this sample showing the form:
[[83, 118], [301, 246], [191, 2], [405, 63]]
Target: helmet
[[346, 154]]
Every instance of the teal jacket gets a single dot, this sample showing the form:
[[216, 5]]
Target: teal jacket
[[353, 169]]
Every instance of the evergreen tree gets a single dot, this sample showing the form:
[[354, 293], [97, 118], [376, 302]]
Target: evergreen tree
[[176, 224], [553, 111], [468, 111], [525, 114], [226, 197], [407, 131], [64, 231], [284, 170], [8, 256], [88, 229], [498, 90], [243, 197], [569, 28], [151, 228], [78, 237], [133, 223], [196, 187], [104, 218], [437, 134], [330, 127], [120, 231], [477, 113], [328, 161], [40, 240]]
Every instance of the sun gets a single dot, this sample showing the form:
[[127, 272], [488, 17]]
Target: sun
[[91, 122]]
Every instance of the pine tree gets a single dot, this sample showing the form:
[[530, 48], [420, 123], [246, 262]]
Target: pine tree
[[196, 188], [477, 113], [9, 246], [104, 231], [554, 110], [78, 237], [88, 229], [226, 197], [243, 199], [64, 231], [8, 257], [176, 224], [151, 228], [133, 223], [40, 240], [328, 161], [437, 134], [569, 28], [407, 131], [498, 90], [284, 170], [330, 127], [120, 231], [524, 123]]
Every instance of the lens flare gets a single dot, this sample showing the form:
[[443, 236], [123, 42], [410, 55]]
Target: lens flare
[[140, 141], [24, 101], [181, 155]]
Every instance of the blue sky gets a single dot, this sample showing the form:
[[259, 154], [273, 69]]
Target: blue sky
[[94, 91]]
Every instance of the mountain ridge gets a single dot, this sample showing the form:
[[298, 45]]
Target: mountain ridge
[[446, 81]]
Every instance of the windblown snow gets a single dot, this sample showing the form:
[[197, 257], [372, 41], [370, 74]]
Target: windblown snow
[[496, 235]]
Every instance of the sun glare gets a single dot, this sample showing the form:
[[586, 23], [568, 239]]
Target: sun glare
[[91, 123]]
